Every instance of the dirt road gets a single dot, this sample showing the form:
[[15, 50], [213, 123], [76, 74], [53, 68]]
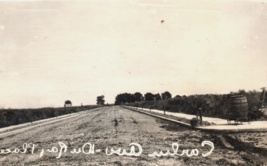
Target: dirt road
[[116, 127]]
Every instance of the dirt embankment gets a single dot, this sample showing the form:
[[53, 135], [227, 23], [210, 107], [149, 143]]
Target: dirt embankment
[[116, 127]]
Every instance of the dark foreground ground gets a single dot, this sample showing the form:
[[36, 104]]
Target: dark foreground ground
[[116, 127]]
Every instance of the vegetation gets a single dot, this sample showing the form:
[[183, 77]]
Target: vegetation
[[10, 117], [149, 97], [166, 95], [213, 105], [137, 97], [67, 103], [127, 98], [263, 97], [100, 100]]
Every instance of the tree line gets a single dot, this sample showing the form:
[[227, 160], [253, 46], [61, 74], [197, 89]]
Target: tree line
[[137, 97], [213, 105]]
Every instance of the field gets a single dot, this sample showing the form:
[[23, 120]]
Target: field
[[116, 127]]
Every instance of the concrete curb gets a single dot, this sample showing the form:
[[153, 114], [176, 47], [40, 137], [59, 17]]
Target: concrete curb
[[205, 129], [161, 117], [231, 130]]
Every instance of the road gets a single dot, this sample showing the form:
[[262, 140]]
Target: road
[[116, 127]]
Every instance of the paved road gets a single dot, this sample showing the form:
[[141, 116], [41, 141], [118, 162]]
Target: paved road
[[115, 127]]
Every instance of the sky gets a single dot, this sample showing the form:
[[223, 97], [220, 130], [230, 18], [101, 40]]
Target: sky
[[52, 51]]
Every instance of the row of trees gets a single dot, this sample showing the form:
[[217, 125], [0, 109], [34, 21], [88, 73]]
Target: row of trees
[[137, 97], [213, 105]]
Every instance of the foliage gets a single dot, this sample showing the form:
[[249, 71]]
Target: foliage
[[127, 98], [138, 96], [10, 117], [166, 95], [100, 100], [213, 105], [67, 103], [157, 97], [149, 97]]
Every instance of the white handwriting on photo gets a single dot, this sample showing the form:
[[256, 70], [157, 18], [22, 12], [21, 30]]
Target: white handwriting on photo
[[89, 148]]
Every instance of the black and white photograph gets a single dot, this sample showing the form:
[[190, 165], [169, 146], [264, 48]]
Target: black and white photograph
[[133, 82]]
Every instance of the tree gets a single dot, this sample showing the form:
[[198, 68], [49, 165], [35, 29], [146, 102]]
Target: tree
[[142, 98], [157, 97], [242, 92], [138, 96], [100, 100], [149, 97], [178, 97], [125, 98], [118, 99], [132, 98], [67, 103], [166, 95], [117, 103]]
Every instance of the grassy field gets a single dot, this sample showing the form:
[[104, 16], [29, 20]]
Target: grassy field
[[10, 117]]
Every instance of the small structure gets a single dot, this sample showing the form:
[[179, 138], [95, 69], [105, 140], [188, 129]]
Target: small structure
[[67, 103]]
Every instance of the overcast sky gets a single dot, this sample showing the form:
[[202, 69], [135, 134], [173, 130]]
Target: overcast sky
[[52, 51]]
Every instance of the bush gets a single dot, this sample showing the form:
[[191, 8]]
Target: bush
[[254, 115]]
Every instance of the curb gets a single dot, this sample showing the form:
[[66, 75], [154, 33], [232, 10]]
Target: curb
[[161, 117], [201, 128], [232, 130]]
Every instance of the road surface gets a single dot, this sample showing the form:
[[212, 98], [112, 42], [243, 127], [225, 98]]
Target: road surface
[[116, 127]]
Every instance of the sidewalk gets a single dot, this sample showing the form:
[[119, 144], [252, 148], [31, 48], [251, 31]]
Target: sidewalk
[[221, 125]]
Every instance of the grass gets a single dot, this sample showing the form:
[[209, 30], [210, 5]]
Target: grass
[[10, 117]]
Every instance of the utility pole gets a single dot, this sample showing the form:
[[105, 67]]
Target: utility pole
[[263, 97], [200, 115]]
